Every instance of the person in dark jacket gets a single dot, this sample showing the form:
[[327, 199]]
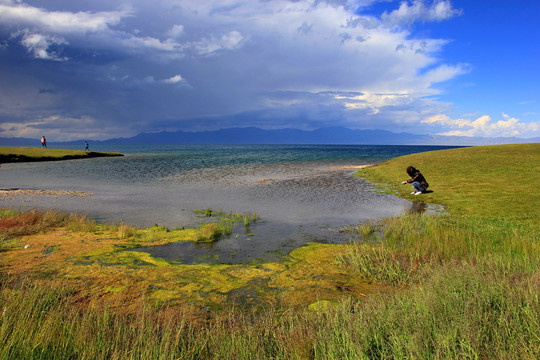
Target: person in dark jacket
[[417, 180]]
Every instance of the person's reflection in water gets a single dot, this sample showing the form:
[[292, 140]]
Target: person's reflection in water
[[417, 208]]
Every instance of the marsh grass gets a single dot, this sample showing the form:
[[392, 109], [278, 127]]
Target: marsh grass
[[411, 243], [212, 232], [224, 225], [76, 222], [15, 224], [126, 231], [367, 230], [455, 287], [457, 313], [246, 217]]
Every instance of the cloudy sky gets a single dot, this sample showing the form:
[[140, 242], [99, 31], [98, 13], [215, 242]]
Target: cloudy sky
[[102, 69]]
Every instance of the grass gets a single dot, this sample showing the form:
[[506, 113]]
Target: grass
[[485, 181], [455, 315], [212, 232], [15, 224], [459, 285], [28, 154], [403, 248]]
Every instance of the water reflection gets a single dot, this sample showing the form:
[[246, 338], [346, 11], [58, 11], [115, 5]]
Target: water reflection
[[422, 207], [417, 207]]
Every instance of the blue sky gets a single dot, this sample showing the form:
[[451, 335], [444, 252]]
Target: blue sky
[[104, 69]]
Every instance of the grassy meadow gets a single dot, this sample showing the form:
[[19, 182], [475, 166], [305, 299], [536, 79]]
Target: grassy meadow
[[462, 284], [10, 154], [497, 181]]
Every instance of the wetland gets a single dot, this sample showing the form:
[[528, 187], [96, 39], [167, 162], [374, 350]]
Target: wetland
[[302, 193], [458, 284]]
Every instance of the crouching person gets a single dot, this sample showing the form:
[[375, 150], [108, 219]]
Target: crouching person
[[417, 180]]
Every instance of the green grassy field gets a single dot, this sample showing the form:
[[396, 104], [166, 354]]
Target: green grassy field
[[10, 154], [485, 181], [460, 285]]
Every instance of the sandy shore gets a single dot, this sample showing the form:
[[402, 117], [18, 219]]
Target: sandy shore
[[351, 167], [4, 193]]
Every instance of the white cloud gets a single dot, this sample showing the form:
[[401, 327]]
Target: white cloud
[[483, 126], [176, 31], [417, 10], [38, 45], [212, 45], [445, 72], [374, 102], [174, 80], [61, 22], [146, 42]]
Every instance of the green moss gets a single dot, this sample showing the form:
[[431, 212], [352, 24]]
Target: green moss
[[320, 306], [124, 258], [116, 289]]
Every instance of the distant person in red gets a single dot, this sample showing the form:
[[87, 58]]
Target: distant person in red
[[43, 142], [417, 180]]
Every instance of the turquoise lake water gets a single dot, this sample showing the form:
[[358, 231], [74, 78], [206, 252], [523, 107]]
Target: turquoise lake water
[[303, 193]]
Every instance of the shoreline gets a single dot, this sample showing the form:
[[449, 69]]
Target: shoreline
[[352, 167]]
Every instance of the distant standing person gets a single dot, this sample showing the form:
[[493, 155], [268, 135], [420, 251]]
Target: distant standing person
[[86, 145], [417, 180], [43, 142]]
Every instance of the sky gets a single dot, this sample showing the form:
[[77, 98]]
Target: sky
[[104, 69]]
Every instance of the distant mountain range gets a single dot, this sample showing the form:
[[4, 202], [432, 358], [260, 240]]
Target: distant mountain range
[[251, 135]]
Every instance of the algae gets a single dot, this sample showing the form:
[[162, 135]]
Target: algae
[[103, 264]]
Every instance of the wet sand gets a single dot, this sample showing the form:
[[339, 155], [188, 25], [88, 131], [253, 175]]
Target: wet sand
[[11, 193]]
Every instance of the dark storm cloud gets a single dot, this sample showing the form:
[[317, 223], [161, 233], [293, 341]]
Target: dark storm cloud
[[102, 70]]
